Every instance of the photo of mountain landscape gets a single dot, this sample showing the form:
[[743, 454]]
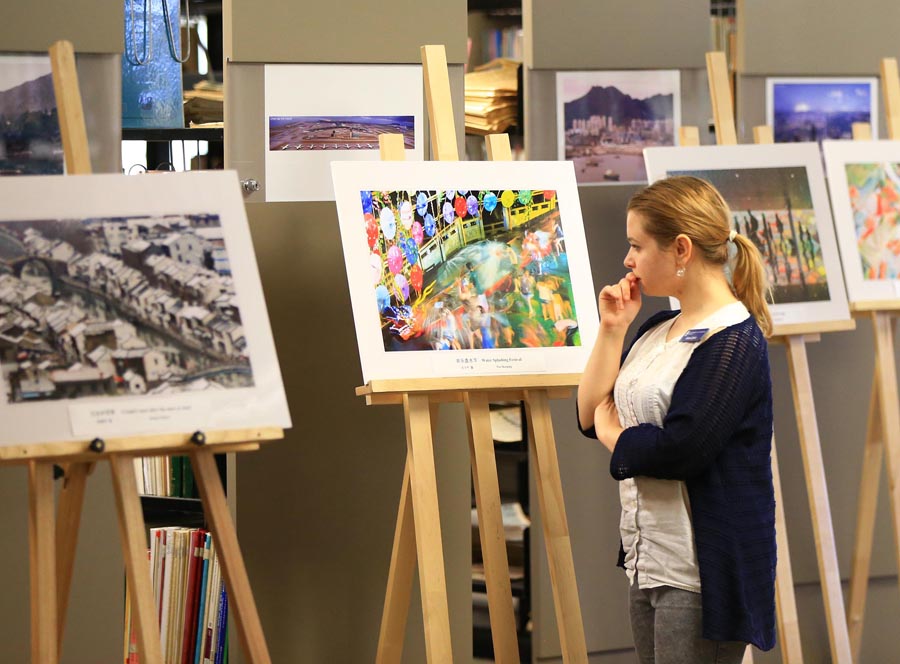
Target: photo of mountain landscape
[[606, 119], [30, 142]]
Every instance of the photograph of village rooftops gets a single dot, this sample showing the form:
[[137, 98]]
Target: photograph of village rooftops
[[338, 132], [118, 306]]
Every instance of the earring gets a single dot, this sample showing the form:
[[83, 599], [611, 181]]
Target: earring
[[679, 272]]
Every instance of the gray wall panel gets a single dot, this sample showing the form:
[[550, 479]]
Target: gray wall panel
[[93, 26], [616, 34], [100, 81], [817, 36], [352, 32]]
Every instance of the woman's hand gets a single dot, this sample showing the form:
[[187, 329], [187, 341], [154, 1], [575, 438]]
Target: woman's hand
[[619, 303], [606, 423]]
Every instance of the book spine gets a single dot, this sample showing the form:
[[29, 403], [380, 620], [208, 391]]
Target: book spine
[[201, 610], [221, 625]]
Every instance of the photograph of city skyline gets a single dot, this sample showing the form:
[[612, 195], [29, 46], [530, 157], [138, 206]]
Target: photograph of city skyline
[[818, 109], [118, 306], [338, 132], [30, 141], [606, 119], [465, 270], [773, 208]]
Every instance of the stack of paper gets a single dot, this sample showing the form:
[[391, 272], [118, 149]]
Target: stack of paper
[[492, 97], [204, 103]]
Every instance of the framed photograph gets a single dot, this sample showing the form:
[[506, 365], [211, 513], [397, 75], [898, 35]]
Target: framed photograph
[[131, 306], [778, 199], [864, 179], [316, 114], [448, 282], [605, 119], [814, 109], [30, 142]]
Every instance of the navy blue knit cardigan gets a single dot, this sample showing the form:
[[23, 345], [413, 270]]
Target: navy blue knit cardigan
[[717, 438]]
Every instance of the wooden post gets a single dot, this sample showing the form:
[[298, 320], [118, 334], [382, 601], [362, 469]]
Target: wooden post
[[42, 555], [820, 508], [891, 94], [556, 527], [69, 109], [720, 93], [498, 147], [763, 135], [688, 136], [137, 569], [77, 157], [490, 527], [440, 104], [862, 131]]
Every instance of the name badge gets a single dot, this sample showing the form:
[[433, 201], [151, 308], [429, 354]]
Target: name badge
[[695, 335]]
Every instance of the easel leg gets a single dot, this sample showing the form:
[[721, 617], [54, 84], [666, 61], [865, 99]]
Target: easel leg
[[400, 579], [68, 521], [867, 505], [556, 528], [429, 549], [137, 569], [490, 528], [42, 554], [785, 602], [820, 508], [246, 618]]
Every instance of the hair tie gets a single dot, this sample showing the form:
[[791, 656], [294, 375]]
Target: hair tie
[[732, 235]]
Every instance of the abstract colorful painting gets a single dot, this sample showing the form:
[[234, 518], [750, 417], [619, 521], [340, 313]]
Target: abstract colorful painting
[[865, 194], [492, 270], [606, 118], [815, 109], [777, 198]]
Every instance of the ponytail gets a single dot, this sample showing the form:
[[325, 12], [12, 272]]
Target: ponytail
[[748, 280]]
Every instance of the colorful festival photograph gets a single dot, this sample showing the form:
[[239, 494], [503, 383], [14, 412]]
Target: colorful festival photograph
[[773, 207], [466, 269], [479, 282], [875, 201]]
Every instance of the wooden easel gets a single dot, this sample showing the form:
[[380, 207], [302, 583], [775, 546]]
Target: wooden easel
[[883, 429], [417, 536], [794, 337], [52, 542]]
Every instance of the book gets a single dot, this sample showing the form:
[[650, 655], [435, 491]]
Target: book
[[193, 590], [204, 593]]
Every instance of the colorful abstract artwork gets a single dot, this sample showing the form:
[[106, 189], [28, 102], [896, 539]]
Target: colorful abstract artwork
[[492, 271], [778, 199], [864, 180]]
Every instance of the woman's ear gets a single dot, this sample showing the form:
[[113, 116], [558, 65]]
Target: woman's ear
[[684, 248]]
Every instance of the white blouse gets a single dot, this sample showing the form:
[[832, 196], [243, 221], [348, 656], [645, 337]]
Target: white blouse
[[655, 526]]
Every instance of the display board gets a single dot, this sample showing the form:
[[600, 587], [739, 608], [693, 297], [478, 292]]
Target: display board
[[864, 178], [778, 199], [813, 109], [316, 114], [444, 282], [605, 119], [131, 306]]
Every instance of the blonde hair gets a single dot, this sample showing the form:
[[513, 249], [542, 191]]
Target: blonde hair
[[690, 206]]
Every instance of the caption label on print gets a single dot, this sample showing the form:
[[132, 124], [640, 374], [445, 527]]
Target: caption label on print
[[91, 420], [474, 364]]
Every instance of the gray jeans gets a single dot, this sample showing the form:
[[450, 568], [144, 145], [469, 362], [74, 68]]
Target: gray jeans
[[666, 623]]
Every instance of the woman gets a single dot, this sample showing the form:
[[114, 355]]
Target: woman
[[688, 419]]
